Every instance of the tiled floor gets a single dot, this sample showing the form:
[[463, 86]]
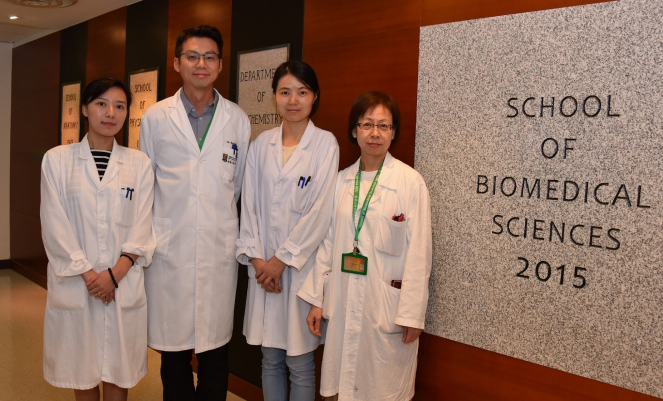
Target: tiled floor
[[22, 306]]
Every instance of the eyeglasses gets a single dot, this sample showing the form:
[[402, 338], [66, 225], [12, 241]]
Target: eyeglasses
[[193, 57], [384, 128]]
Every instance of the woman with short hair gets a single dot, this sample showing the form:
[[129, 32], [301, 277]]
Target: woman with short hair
[[370, 279], [96, 218]]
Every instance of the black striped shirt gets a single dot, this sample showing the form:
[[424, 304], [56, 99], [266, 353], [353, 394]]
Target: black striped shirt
[[101, 158]]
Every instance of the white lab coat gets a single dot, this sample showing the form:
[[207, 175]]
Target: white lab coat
[[364, 357], [87, 224], [286, 217], [191, 283]]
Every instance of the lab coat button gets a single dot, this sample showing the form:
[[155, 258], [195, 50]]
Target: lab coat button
[[200, 230], [103, 248], [200, 196], [356, 389], [199, 263]]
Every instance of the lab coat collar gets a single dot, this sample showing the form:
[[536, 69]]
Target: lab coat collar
[[117, 157], [181, 120], [277, 148], [387, 178]]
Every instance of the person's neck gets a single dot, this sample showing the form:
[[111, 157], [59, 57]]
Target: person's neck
[[99, 142], [199, 98], [293, 132], [371, 163]]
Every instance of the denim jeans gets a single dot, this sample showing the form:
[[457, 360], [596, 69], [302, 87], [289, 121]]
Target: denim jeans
[[302, 375]]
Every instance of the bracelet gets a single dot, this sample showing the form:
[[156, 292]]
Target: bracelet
[[133, 262], [112, 277]]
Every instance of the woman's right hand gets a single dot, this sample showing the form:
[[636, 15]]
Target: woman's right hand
[[314, 319]]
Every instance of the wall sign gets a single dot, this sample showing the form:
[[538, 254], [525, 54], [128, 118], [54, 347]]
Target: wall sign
[[540, 138], [254, 83], [70, 117], [143, 85]]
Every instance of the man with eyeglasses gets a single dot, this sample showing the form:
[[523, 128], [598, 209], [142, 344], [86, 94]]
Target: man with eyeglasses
[[197, 141]]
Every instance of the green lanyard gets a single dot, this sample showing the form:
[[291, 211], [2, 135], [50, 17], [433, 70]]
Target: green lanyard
[[364, 208], [202, 140]]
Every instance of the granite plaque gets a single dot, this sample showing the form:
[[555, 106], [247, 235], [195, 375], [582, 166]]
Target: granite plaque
[[540, 138], [143, 86], [254, 86], [70, 120]]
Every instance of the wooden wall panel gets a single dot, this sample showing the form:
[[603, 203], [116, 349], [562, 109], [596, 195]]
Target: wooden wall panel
[[449, 370], [27, 249], [360, 46], [435, 12], [106, 42], [35, 92], [189, 13]]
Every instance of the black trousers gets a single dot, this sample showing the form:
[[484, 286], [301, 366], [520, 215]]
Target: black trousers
[[177, 375]]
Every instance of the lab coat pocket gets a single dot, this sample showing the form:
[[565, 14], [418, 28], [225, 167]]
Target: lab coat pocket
[[299, 197], [392, 236], [70, 294], [388, 300], [126, 199], [131, 289], [162, 227]]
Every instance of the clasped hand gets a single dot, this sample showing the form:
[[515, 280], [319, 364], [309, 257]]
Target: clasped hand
[[269, 273], [99, 285]]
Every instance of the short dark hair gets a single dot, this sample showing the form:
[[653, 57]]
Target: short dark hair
[[99, 86], [367, 102], [200, 31], [302, 72]]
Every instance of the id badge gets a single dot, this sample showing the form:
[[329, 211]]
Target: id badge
[[354, 263]]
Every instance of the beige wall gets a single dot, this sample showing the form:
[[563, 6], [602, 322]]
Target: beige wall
[[5, 116]]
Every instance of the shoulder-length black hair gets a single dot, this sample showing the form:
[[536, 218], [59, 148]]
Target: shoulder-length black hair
[[304, 73]]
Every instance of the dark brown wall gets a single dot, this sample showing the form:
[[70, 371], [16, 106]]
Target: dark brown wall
[[188, 13], [435, 12], [355, 46], [35, 124], [106, 43], [449, 370]]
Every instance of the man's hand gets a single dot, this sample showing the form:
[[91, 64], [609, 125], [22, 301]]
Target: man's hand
[[410, 334], [270, 275], [314, 319]]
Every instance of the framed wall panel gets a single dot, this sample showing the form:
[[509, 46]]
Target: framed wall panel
[[70, 114], [144, 86]]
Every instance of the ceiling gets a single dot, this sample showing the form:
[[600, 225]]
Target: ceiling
[[35, 22]]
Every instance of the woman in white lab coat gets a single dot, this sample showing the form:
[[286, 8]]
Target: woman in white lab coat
[[286, 210], [370, 279], [96, 217]]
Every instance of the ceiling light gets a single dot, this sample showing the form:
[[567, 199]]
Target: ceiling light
[[13, 17], [44, 3]]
